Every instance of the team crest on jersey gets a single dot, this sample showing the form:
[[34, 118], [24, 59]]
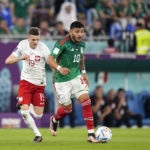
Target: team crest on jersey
[[37, 58]]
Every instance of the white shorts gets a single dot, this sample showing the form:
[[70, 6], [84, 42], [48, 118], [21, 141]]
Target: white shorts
[[69, 89]]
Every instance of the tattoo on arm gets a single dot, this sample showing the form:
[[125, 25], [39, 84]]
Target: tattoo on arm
[[82, 65]]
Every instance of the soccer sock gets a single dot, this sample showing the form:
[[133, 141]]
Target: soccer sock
[[88, 115], [30, 122], [31, 109], [61, 113]]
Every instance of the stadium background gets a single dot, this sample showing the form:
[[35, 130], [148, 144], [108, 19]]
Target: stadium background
[[123, 69]]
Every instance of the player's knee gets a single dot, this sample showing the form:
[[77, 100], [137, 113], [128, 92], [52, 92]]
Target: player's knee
[[25, 114], [38, 116]]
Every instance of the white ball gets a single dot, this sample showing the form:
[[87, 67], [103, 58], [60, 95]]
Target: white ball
[[103, 134]]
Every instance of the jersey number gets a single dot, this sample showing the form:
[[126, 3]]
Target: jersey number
[[76, 58]]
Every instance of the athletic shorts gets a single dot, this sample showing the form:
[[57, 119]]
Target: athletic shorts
[[30, 93], [73, 88]]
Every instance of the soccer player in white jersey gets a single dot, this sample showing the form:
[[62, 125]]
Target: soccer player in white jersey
[[33, 55]]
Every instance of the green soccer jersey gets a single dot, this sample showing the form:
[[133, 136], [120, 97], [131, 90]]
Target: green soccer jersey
[[67, 54]]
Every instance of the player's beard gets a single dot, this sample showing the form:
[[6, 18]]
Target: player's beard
[[74, 38]]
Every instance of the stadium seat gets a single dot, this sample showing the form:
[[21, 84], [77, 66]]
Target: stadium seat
[[132, 101], [142, 97]]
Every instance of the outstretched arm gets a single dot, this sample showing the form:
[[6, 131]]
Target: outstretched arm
[[82, 67], [13, 59], [52, 63]]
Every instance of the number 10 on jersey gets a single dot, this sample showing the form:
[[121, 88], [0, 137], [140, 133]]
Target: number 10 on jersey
[[76, 58]]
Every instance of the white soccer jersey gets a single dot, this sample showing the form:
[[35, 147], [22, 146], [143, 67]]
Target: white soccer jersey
[[33, 70]]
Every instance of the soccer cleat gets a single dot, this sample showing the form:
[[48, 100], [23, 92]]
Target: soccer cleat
[[53, 127], [37, 139], [91, 138]]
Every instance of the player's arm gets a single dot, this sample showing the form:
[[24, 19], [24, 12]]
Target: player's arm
[[82, 68], [13, 59], [53, 64]]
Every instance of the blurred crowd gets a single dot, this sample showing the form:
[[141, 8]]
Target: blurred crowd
[[112, 109], [102, 18]]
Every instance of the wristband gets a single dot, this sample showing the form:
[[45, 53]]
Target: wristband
[[83, 71], [58, 67]]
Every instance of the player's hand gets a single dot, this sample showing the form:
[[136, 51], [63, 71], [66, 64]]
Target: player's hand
[[85, 78], [64, 71], [25, 57]]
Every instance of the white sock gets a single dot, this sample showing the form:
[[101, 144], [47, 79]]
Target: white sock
[[91, 131], [31, 109], [30, 122]]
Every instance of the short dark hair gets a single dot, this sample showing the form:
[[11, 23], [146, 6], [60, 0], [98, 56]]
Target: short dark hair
[[76, 24], [120, 90], [34, 31], [139, 25]]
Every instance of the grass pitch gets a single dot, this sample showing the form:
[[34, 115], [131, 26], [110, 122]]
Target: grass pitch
[[74, 139]]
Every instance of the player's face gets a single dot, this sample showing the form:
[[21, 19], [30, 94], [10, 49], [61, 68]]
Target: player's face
[[33, 40], [77, 34]]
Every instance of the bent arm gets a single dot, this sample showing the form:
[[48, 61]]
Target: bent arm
[[12, 59], [51, 62]]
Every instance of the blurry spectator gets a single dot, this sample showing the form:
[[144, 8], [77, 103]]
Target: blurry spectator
[[147, 21], [40, 15], [60, 31], [97, 103], [82, 19], [19, 28], [109, 108], [140, 40], [67, 14], [116, 30], [139, 8], [21, 8], [4, 28], [97, 29], [122, 113], [5, 11], [110, 49], [106, 11], [44, 28], [125, 13], [91, 13], [57, 6]]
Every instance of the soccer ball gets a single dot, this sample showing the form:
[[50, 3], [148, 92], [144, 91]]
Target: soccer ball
[[103, 134]]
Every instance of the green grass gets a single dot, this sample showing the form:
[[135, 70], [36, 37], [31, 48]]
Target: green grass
[[74, 139]]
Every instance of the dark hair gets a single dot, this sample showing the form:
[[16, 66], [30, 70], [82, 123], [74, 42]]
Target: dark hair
[[111, 42], [139, 25], [34, 31], [59, 22], [76, 24], [120, 90]]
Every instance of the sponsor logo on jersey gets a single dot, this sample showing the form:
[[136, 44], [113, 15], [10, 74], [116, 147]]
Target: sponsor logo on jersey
[[37, 58], [56, 50]]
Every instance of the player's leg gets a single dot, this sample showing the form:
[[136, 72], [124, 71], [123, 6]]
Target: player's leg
[[63, 91], [24, 100], [37, 106], [88, 116], [80, 91]]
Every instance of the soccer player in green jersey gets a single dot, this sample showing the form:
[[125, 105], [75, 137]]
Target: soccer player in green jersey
[[67, 60]]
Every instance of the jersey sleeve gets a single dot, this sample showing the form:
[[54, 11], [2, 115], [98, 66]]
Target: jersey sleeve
[[17, 51], [57, 50], [46, 52]]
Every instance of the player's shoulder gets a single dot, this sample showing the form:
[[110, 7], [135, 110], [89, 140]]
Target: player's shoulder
[[43, 46], [63, 40], [24, 42]]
